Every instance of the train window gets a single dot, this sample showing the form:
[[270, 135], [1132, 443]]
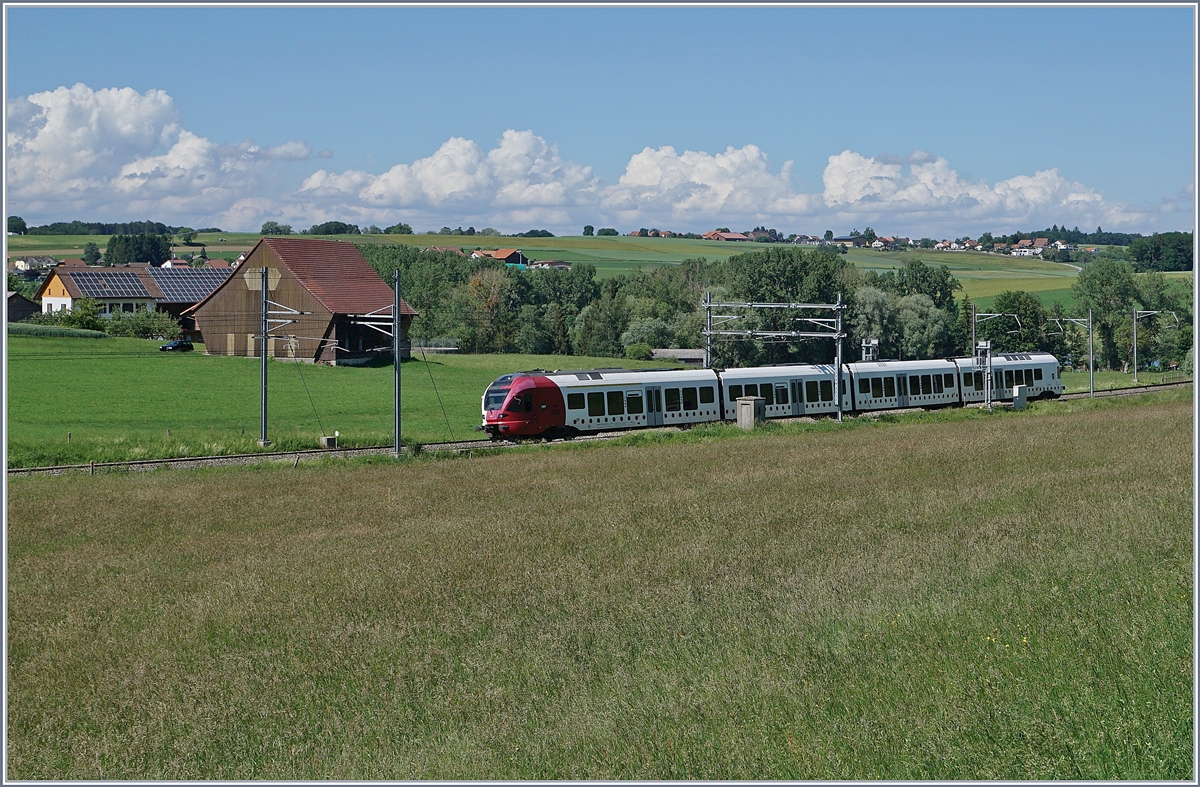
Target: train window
[[810, 391], [842, 386], [937, 383], [528, 401], [889, 386], [494, 398], [574, 401], [672, 400], [689, 399], [657, 400], [616, 403], [751, 390], [967, 381], [1008, 378], [864, 385], [949, 381], [827, 390], [735, 393], [1037, 374], [765, 392], [595, 403], [1029, 376], [634, 400], [877, 387], [781, 394], [515, 405], [979, 381], [708, 395]]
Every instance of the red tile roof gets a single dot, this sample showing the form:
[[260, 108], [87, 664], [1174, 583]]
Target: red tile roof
[[336, 274]]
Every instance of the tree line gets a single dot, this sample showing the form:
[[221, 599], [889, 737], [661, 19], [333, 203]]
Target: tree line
[[914, 312], [17, 224]]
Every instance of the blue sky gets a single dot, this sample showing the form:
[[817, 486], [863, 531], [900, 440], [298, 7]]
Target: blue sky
[[920, 121]]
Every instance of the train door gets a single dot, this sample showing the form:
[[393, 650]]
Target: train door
[[797, 387], [902, 390], [654, 409]]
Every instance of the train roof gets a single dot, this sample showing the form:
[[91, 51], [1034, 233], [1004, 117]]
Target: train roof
[[628, 376]]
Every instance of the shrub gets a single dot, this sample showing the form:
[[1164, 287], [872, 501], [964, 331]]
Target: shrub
[[143, 325], [639, 351], [55, 331]]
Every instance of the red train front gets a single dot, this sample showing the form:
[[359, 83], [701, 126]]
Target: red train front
[[525, 404]]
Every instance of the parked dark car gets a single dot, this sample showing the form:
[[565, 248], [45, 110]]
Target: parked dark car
[[177, 346]]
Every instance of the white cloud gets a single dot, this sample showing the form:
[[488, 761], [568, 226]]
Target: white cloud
[[117, 153], [78, 152]]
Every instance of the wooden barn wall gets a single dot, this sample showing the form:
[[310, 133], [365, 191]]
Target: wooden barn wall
[[232, 317]]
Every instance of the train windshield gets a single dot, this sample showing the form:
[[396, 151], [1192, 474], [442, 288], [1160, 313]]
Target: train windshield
[[493, 399]]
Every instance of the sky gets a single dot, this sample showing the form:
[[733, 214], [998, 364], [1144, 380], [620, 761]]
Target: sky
[[918, 121]]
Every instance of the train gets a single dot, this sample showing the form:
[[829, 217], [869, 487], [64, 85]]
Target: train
[[564, 404]]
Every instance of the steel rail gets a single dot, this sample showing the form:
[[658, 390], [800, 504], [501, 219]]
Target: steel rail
[[461, 446]]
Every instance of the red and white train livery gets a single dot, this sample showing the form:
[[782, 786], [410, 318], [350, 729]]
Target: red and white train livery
[[563, 404]]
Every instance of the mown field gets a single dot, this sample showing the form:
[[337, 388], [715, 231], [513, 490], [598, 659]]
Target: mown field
[[983, 275], [948, 596], [119, 397]]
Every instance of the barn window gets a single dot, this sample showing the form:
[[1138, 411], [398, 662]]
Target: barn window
[[689, 399], [616, 403], [810, 391], [889, 386], [595, 403], [864, 385], [735, 392], [575, 401], [708, 395], [877, 387], [672, 400], [634, 400]]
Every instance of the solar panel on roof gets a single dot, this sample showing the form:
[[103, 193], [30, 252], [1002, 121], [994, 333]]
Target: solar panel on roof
[[187, 285], [109, 284]]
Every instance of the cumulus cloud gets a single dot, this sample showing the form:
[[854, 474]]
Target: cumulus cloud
[[117, 153]]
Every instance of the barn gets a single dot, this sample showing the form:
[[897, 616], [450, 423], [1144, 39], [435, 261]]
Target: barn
[[334, 288]]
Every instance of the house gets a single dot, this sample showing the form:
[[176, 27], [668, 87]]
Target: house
[[942, 245], [130, 288], [20, 307], [507, 256], [851, 240], [999, 247], [217, 262], [1040, 243], [1061, 244], [757, 235], [1024, 243], [332, 291], [727, 236], [444, 249], [1023, 251]]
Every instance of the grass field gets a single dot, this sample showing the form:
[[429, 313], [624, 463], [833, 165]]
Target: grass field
[[955, 595], [118, 398]]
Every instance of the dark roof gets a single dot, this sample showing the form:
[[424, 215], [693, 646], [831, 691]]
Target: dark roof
[[187, 285], [101, 283], [336, 274]]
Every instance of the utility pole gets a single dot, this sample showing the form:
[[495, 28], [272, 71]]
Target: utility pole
[[262, 414], [708, 325], [837, 383], [1137, 315], [396, 358], [1091, 357]]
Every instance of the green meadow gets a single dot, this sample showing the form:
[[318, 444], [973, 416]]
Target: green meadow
[[946, 596], [122, 399]]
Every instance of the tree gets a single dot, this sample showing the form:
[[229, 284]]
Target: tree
[[1107, 287], [607, 231], [651, 331], [336, 228], [91, 253], [588, 229], [123, 249], [922, 327], [399, 229], [16, 224], [275, 228], [869, 235], [187, 235], [873, 317]]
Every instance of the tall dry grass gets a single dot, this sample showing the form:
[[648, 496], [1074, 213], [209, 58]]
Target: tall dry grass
[[966, 597]]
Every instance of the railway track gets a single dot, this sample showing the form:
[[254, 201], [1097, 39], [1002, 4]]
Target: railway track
[[462, 446]]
